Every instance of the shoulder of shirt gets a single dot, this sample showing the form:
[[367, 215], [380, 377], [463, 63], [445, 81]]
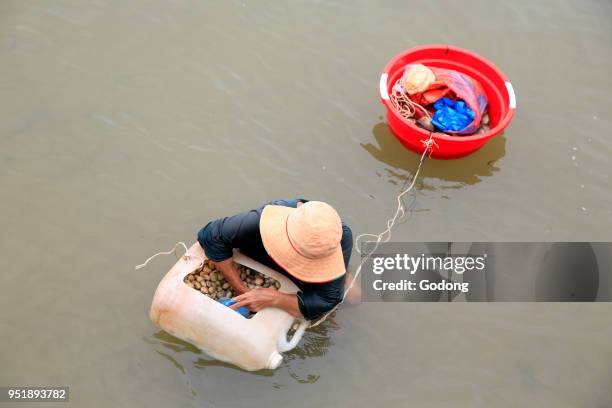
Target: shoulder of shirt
[[287, 203]]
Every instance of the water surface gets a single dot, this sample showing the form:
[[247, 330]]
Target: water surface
[[125, 126]]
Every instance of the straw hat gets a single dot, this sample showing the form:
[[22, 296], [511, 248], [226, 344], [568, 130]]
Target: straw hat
[[305, 241], [417, 78]]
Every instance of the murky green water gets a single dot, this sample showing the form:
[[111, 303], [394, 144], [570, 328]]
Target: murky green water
[[125, 126]]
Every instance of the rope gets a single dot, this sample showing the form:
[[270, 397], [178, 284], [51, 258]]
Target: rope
[[384, 236], [172, 251], [402, 102]]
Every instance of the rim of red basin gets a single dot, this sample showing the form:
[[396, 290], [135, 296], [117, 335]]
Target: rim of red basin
[[510, 106]]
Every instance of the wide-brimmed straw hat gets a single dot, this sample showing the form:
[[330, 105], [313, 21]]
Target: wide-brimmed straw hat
[[304, 241]]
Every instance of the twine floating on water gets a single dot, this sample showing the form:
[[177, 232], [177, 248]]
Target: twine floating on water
[[170, 252]]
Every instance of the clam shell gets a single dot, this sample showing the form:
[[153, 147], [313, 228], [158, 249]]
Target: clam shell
[[485, 119]]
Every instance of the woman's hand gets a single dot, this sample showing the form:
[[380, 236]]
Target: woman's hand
[[257, 299]]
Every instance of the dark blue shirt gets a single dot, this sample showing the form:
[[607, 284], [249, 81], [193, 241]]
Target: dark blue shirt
[[220, 237]]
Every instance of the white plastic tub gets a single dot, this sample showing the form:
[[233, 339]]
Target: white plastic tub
[[252, 344]]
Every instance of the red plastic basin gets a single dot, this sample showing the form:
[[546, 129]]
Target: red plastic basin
[[499, 91]]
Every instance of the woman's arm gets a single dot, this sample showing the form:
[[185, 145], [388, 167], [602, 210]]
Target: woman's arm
[[219, 238], [231, 274]]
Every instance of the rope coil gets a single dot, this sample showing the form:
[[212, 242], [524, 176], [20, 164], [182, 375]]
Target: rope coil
[[403, 104]]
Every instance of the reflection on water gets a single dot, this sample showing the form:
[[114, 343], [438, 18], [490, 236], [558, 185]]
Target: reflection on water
[[200, 360], [315, 343], [174, 343], [172, 361], [459, 172]]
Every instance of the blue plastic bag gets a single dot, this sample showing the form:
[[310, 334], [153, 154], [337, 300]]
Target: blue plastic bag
[[452, 116], [228, 302]]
